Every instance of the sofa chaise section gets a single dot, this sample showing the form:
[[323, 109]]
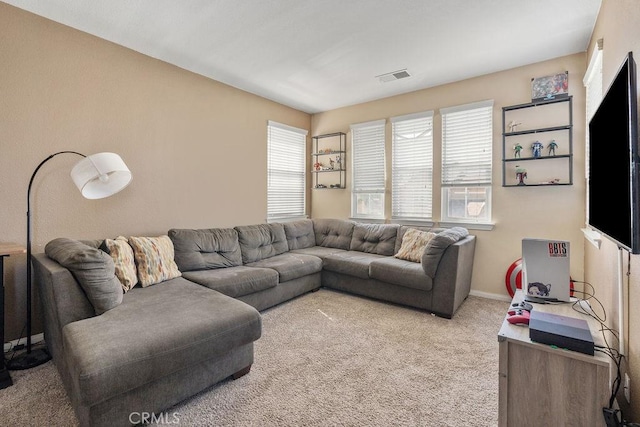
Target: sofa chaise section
[[160, 345]]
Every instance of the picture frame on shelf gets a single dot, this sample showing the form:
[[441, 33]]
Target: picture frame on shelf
[[550, 87]]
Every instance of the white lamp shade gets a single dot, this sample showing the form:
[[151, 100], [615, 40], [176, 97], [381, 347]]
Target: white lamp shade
[[101, 175]]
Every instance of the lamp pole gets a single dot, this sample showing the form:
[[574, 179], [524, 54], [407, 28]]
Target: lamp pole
[[32, 358]]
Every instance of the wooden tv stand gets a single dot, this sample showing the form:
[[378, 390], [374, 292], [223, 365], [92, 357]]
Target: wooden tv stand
[[543, 385]]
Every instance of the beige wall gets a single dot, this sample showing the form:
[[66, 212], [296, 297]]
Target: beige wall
[[540, 212], [196, 147], [619, 26]]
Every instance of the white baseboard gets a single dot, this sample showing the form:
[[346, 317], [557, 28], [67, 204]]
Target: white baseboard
[[35, 339], [489, 295]]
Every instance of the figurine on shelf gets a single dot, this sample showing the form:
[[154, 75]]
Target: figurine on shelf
[[338, 164], [552, 147], [537, 147], [521, 175], [516, 150], [331, 163], [317, 166], [513, 125]]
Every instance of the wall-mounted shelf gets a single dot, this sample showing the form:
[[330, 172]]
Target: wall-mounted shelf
[[328, 161], [538, 169]]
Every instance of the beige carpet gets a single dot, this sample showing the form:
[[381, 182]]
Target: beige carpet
[[329, 359]]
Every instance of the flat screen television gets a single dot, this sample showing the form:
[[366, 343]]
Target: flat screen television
[[614, 183]]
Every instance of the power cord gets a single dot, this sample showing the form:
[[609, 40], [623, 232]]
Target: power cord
[[613, 417]]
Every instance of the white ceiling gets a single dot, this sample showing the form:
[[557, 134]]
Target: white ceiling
[[317, 55]]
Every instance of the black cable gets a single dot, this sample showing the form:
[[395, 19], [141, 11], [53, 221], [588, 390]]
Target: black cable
[[13, 348], [611, 352]]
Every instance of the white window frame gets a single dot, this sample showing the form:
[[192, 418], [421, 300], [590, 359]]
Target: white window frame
[[412, 168], [594, 89], [368, 168], [467, 167], [286, 172]]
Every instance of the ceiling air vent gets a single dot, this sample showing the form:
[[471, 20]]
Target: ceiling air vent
[[395, 75]]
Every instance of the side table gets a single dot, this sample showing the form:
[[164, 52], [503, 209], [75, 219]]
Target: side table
[[542, 385], [6, 249]]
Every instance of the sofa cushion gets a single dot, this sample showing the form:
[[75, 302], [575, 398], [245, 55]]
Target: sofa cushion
[[437, 245], [291, 265], [261, 241], [413, 245], [156, 331], [374, 238], [300, 234], [352, 263], [154, 259], [319, 251], [205, 248], [92, 268], [234, 281], [124, 261], [333, 233], [404, 228], [401, 272]]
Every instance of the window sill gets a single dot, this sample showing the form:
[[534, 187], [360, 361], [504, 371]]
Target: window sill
[[414, 222], [592, 236], [468, 225], [369, 220]]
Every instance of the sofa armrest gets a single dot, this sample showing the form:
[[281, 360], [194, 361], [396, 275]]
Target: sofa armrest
[[62, 299], [452, 281]]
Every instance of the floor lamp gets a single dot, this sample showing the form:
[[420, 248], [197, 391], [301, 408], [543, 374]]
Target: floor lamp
[[97, 176]]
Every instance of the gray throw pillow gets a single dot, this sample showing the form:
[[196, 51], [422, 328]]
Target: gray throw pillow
[[437, 245], [93, 269]]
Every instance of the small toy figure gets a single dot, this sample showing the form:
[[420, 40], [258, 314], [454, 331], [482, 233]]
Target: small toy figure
[[521, 174], [516, 150], [338, 165], [513, 125], [317, 166], [537, 147], [331, 163], [552, 147]]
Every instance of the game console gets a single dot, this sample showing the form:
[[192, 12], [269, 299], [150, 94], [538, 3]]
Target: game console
[[561, 331]]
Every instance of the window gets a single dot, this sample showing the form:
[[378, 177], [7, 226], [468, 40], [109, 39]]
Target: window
[[467, 138], [412, 167], [593, 84], [285, 172], [367, 197]]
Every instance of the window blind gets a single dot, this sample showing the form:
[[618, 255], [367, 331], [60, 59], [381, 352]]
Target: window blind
[[593, 87], [467, 138], [368, 169], [286, 148], [593, 81], [412, 166]]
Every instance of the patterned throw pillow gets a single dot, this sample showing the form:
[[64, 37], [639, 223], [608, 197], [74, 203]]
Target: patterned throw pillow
[[154, 259], [414, 242], [123, 258]]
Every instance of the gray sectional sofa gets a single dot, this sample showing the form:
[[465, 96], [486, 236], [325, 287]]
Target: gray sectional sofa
[[160, 344]]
